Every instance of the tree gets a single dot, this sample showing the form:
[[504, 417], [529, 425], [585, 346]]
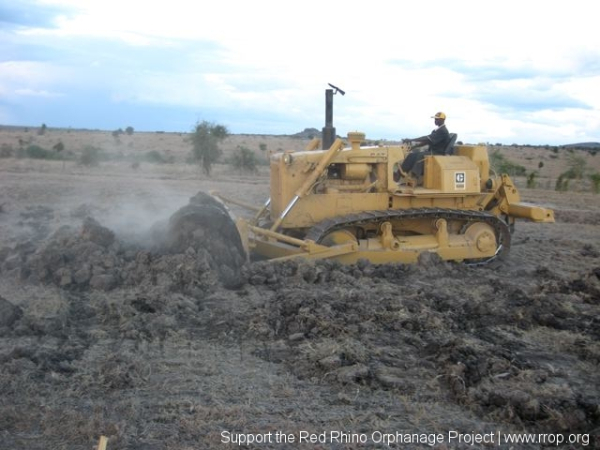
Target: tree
[[206, 138], [129, 131]]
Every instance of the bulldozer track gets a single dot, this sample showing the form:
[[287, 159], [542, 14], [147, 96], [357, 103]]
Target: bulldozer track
[[501, 229]]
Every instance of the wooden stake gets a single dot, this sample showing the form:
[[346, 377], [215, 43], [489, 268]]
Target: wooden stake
[[102, 443]]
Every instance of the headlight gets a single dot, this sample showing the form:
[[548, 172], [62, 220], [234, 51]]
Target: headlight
[[287, 158]]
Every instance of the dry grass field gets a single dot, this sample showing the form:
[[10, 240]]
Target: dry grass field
[[103, 334]]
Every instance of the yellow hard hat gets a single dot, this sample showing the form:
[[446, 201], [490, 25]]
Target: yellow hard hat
[[439, 115]]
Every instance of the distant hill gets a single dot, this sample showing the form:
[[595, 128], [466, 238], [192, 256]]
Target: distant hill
[[308, 133], [583, 145]]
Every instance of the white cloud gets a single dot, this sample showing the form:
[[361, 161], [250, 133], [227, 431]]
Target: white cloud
[[30, 78], [506, 71], [37, 93]]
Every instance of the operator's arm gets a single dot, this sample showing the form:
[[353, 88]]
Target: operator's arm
[[437, 136], [423, 140]]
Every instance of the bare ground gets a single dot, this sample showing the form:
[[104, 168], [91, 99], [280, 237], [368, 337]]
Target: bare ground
[[104, 332]]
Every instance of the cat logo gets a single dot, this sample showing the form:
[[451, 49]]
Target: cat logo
[[460, 181]]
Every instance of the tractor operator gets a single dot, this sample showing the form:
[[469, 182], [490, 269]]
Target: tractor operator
[[437, 142]]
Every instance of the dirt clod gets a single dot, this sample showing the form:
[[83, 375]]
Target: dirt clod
[[9, 313], [94, 232]]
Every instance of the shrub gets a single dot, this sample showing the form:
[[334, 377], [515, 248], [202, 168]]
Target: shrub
[[576, 171], [156, 157], [90, 156], [577, 166], [595, 179], [37, 152], [6, 151], [502, 165], [129, 131], [562, 183], [531, 183], [244, 160]]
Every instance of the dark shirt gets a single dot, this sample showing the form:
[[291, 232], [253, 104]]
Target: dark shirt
[[438, 139]]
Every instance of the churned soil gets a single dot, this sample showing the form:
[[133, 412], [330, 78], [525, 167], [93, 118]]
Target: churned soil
[[124, 313]]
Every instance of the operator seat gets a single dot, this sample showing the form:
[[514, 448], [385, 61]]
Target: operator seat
[[449, 148]]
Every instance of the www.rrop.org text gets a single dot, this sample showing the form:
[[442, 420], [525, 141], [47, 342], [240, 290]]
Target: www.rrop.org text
[[384, 438]]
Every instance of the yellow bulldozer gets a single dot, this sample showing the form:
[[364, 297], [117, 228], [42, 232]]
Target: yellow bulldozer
[[347, 203]]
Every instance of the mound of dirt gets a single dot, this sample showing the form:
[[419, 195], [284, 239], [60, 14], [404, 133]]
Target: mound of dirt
[[199, 247], [93, 258]]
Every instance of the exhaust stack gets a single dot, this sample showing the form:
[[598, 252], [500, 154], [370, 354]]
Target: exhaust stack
[[329, 130]]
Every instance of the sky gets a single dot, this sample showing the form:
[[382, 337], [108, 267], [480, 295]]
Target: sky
[[525, 72]]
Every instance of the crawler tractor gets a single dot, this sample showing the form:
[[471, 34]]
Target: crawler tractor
[[347, 202]]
